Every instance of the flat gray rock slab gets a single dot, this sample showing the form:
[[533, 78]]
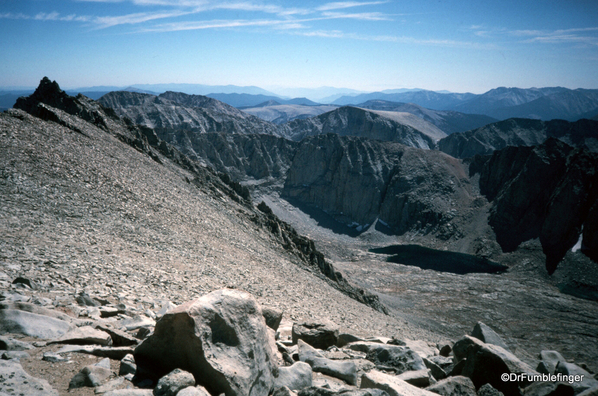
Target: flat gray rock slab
[[116, 353], [85, 335], [392, 385], [295, 377], [130, 392], [18, 382], [30, 324]]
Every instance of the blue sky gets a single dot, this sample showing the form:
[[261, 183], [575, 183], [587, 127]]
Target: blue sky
[[461, 46]]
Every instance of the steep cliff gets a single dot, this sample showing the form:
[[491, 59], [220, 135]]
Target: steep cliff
[[549, 192], [359, 180]]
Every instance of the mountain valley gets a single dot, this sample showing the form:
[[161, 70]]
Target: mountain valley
[[142, 199]]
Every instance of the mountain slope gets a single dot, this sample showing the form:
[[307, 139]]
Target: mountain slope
[[283, 113], [161, 112], [352, 121], [427, 99], [99, 199], [520, 132], [448, 121]]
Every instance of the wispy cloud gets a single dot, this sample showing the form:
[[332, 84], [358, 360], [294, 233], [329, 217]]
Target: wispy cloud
[[347, 4], [136, 18], [588, 35], [364, 16], [577, 35], [42, 16]]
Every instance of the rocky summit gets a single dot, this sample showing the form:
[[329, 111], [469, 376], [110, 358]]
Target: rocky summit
[[162, 261]]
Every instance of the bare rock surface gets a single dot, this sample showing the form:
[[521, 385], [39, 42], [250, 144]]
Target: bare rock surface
[[220, 338], [16, 381]]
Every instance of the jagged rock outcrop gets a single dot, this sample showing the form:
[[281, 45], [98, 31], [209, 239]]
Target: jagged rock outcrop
[[353, 121], [166, 112], [547, 192], [520, 132], [359, 180]]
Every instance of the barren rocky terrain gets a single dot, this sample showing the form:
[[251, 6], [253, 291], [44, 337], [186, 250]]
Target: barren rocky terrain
[[95, 207]]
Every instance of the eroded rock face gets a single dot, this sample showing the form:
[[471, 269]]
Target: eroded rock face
[[547, 192], [220, 338], [358, 180]]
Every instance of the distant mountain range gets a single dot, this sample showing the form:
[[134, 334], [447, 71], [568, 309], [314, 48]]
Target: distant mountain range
[[520, 132], [241, 100], [500, 103]]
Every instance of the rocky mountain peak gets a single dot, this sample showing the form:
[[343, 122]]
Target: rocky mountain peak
[[48, 92]]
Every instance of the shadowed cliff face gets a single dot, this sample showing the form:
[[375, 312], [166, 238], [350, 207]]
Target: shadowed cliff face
[[360, 180], [548, 191]]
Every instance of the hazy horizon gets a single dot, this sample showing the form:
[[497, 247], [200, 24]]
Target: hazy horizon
[[365, 46]]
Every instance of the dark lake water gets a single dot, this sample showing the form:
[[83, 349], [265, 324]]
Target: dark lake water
[[439, 260]]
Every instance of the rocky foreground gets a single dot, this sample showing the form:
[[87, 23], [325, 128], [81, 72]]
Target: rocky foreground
[[225, 343]]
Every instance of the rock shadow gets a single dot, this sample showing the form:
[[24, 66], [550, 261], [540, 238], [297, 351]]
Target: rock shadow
[[439, 260], [324, 219]]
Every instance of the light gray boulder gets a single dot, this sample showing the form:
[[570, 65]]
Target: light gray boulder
[[8, 355], [220, 338], [391, 385], [318, 335], [18, 382], [92, 376], [173, 382], [486, 334], [283, 391], [399, 358], [489, 390], [419, 378], [295, 377], [9, 344], [454, 386], [127, 365], [130, 392], [193, 391], [31, 324]]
